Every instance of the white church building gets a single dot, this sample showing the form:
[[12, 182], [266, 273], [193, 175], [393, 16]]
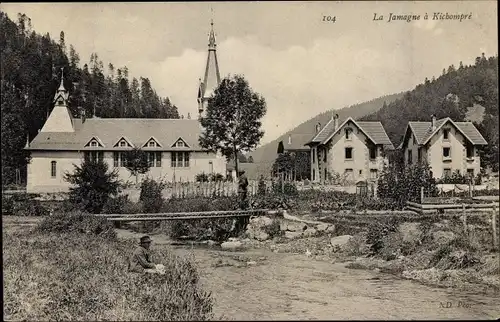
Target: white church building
[[174, 153]]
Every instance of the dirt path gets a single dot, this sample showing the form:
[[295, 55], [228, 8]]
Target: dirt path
[[290, 287]]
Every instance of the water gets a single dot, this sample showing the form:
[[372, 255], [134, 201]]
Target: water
[[291, 286], [282, 286]]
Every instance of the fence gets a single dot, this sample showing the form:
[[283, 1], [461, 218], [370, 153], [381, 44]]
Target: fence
[[198, 189]]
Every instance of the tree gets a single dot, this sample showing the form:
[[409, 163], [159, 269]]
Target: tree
[[93, 185], [281, 148], [284, 163], [136, 161], [233, 119]]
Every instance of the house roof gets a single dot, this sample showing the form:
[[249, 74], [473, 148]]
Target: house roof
[[372, 129], [423, 131], [323, 133], [298, 141], [109, 131]]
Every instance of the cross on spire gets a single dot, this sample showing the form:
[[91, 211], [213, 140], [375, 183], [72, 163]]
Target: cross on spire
[[61, 86]]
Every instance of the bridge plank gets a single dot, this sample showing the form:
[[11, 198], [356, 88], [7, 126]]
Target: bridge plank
[[192, 214]]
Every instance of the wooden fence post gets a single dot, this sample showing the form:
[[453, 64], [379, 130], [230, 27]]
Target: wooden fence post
[[464, 217], [494, 227]]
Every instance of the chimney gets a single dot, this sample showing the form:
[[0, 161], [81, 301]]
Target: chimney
[[289, 139], [82, 115], [318, 127], [335, 122], [433, 122]]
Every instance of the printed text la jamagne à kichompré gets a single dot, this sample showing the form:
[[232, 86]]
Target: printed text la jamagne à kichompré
[[433, 16]]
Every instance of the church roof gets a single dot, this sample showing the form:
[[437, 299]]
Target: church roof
[[110, 130]]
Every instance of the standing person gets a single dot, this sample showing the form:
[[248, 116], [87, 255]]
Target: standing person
[[141, 261], [242, 189]]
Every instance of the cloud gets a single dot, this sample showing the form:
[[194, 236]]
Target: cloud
[[297, 82]]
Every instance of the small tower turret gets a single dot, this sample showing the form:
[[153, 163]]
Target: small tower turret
[[59, 120]]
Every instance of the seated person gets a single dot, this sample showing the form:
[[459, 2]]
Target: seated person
[[140, 261]]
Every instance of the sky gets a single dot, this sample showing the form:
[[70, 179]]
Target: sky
[[301, 64]]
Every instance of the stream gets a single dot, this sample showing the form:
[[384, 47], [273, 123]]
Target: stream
[[282, 286]]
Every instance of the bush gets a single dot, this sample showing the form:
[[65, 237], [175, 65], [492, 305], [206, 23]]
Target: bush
[[261, 188], [378, 232], [274, 230], [456, 178], [201, 229], [151, 195], [122, 205], [78, 277], [77, 222], [284, 187], [92, 186], [402, 185], [201, 177], [22, 205], [214, 177]]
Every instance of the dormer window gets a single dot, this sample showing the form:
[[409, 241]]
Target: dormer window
[[348, 133], [94, 143], [446, 134], [151, 143], [180, 144], [60, 101], [123, 142]]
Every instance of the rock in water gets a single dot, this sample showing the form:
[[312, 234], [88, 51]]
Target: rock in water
[[261, 236], [296, 226], [309, 232], [293, 234], [231, 245], [322, 227], [340, 241]]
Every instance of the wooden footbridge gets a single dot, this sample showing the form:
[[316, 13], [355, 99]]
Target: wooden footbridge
[[190, 215]]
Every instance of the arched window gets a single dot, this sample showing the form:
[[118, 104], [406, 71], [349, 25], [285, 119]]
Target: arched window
[[53, 169]]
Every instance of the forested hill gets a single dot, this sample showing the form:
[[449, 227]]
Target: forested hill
[[266, 154], [463, 93], [30, 73]]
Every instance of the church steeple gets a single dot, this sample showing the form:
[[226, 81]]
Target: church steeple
[[212, 75], [59, 120]]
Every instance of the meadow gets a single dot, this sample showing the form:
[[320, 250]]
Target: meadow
[[82, 275]]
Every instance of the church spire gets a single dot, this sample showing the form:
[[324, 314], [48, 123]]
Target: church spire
[[211, 37], [211, 78]]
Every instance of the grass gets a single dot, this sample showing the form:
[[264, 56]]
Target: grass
[[79, 276]]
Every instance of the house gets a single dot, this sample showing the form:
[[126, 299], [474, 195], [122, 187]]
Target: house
[[171, 144], [447, 146], [354, 151], [294, 145]]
